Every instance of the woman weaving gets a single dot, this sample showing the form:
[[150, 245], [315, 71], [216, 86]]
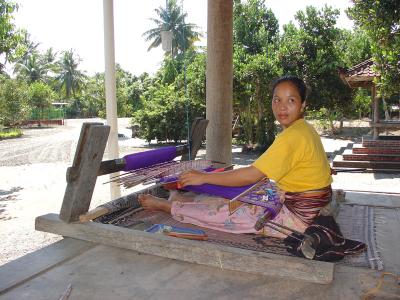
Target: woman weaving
[[296, 161]]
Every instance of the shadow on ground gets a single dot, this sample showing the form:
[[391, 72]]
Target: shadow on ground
[[9, 192], [380, 176], [7, 196]]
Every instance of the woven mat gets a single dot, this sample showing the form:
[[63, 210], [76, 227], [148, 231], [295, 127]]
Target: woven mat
[[356, 222]]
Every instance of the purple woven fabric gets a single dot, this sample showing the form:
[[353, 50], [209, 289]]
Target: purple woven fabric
[[228, 192], [273, 205], [149, 158]]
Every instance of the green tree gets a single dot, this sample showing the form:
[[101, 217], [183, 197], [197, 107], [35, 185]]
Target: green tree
[[10, 37], [381, 21], [255, 34], [40, 96], [254, 25], [172, 19], [14, 106], [195, 83], [26, 48], [69, 78], [313, 52], [33, 68], [139, 85], [164, 107], [355, 47], [92, 101], [155, 119], [50, 56]]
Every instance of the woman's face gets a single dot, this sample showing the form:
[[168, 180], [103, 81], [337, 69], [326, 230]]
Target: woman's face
[[286, 104]]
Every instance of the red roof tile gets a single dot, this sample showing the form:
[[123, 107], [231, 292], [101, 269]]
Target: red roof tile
[[364, 69]]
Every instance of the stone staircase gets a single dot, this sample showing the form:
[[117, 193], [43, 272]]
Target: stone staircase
[[381, 155]]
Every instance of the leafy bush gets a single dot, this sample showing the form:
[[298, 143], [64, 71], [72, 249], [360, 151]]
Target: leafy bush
[[163, 116], [10, 133], [320, 118], [14, 106], [361, 106], [40, 96]]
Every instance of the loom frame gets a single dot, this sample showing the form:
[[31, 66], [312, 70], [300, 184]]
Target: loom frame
[[81, 180]]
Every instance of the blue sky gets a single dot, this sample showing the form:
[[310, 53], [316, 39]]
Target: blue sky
[[78, 25]]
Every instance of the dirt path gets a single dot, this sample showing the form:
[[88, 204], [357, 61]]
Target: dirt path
[[32, 181]]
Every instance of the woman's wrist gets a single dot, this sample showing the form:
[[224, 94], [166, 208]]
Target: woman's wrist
[[204, 178]]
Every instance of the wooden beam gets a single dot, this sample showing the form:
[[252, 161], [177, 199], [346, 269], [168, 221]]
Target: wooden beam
[[198, 131], [81, 177], [385, 124], [199, 252]]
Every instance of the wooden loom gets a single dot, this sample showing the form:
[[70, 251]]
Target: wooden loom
[[81, 179]]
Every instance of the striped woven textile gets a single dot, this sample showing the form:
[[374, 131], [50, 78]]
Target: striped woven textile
[[306, 205]]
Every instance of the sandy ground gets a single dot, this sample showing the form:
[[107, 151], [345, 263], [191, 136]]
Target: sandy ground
[[32, 180]]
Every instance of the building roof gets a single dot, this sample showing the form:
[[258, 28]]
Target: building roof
[[362, 74]]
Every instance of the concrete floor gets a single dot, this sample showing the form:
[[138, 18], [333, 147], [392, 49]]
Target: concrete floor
[[102, 272]]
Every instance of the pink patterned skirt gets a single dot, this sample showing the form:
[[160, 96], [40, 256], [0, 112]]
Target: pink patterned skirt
[[213, 212]]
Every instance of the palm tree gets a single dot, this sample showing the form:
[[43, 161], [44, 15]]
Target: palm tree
[[29, 46], [32, 65], [172, 19], [69, 78], [33, 68], [50, 56]]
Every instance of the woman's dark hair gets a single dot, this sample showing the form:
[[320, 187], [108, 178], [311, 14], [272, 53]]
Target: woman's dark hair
[[299, 83]]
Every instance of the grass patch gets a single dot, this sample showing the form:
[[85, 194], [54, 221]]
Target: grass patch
[[10, 133]]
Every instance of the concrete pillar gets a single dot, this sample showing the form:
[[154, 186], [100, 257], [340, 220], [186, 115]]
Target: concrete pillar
[[110, 86], [376, 111], [219, 80]]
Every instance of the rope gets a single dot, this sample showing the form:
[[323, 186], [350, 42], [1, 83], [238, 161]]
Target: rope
[[373, 291], [185, 84]]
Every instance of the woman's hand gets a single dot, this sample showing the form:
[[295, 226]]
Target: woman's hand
[[192, 177]]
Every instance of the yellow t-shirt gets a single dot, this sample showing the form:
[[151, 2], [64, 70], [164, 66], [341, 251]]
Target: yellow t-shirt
[[296, 160]]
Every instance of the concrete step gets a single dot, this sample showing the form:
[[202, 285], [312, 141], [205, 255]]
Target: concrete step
[[349, 155], [383, 166], [382, 142], [359, 149]]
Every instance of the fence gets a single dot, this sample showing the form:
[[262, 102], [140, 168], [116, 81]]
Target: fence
[[47, 114]]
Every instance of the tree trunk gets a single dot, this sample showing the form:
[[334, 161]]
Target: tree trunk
[[385, 108], [341, 125]]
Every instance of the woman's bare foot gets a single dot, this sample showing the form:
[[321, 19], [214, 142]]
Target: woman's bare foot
[[150, 202], [174, 195]]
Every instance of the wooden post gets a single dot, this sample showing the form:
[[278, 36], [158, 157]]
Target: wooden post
[[81, 177], [219, 80], [376, 111]]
